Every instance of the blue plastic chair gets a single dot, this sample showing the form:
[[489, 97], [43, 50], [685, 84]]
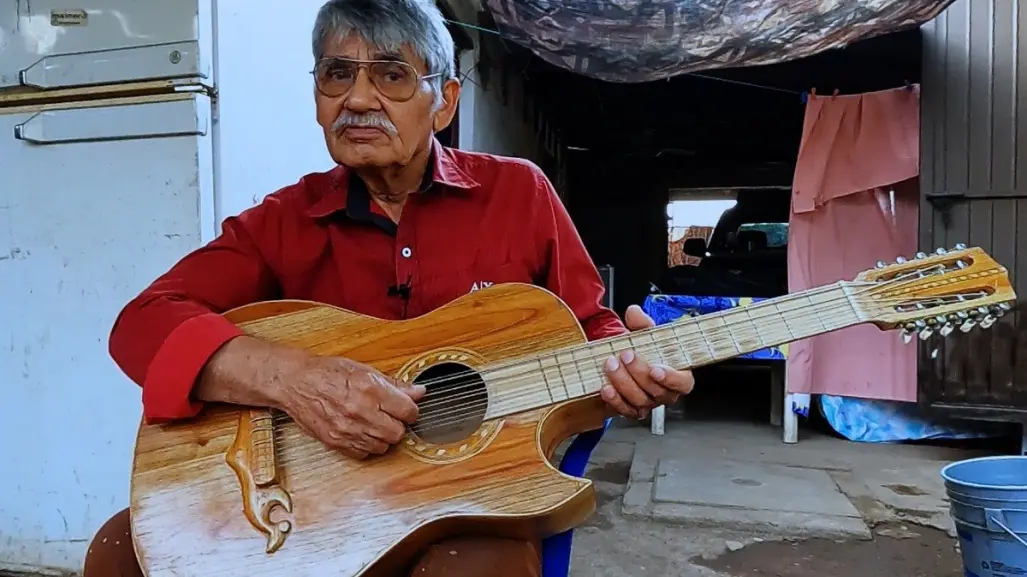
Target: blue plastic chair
[[556, 550]]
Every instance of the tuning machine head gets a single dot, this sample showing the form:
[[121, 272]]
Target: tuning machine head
[[940, 251], [921, 329], [984, 317]]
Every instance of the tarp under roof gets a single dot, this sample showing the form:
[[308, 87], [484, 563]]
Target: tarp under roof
[[644, 40]]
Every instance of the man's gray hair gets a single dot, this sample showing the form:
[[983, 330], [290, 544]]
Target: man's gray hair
[[389, 24]]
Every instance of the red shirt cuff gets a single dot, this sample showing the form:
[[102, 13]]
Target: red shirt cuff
[[177, 364]]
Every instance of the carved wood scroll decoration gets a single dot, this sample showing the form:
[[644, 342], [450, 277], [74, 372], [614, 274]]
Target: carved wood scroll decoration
[[254, 461]]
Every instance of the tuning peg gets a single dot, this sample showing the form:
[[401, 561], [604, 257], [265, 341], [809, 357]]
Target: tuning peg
[[967, 325], [1005, 306], [907, 336], [959, 246], [941, 251], [881, 264], [946, 330], [900, 259], [987, 321], [961, 264], [926, 334], [920, 255]]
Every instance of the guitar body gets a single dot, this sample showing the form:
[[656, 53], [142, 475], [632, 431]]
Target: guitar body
[[204, 502]]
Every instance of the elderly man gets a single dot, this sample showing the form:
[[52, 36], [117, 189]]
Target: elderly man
[[401, 227]]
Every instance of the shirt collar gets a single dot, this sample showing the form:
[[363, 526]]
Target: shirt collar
[[444, 170]]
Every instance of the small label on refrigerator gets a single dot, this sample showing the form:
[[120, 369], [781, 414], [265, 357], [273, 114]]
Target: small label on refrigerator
[[68, 17]]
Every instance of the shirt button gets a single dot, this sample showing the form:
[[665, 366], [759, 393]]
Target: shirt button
[[406, 252]]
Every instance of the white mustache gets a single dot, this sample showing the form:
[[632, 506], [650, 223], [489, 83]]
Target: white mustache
[[349, 120]]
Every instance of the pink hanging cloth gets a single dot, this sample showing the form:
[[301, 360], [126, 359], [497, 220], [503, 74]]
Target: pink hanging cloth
[[854, 202]]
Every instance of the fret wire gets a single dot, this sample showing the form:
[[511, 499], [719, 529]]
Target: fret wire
[[563, 378], [813, 306], [729, 328], [577, 370], [686, 359], [706, 340], [788, 327], [545, 381], [755, 329]]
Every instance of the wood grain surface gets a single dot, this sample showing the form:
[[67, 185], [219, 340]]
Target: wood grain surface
[[369, 517]]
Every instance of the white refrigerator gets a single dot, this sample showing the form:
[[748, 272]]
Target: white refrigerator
[[129, 129]]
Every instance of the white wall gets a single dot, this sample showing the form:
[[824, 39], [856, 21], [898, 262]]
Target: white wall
[[488, 125], [269, 136]]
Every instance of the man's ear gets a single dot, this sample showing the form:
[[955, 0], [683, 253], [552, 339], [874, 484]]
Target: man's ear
[[447, 108]]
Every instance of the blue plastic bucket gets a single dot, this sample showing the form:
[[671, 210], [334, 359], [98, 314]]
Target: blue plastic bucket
[[988, 502]]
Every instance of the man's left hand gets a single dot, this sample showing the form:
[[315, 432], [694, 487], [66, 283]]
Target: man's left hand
[[635, 387]]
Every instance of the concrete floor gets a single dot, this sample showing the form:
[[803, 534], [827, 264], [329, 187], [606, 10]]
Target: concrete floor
[[728, 499]]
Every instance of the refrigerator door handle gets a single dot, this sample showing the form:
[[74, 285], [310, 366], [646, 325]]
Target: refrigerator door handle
[[176, 116]]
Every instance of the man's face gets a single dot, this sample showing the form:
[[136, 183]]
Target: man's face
[[363, 127]]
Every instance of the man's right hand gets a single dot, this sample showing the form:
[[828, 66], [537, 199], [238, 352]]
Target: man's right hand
[[348, 405], [345, 404]]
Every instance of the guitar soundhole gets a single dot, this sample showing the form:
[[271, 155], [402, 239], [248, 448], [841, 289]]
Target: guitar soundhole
[[454, 406]]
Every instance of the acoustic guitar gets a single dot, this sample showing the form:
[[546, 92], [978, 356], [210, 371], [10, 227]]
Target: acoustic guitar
[[509, 373]]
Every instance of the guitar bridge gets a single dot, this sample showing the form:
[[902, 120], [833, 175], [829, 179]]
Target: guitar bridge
[[253, 458]]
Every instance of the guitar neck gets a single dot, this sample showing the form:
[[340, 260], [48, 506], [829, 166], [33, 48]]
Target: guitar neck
[[577, 372]]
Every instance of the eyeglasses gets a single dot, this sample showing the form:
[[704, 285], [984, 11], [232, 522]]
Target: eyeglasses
[[397, 81]]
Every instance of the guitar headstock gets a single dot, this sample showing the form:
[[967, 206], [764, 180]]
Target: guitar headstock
[[961, 288]]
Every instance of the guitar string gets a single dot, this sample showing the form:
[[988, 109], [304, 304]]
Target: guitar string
[[843, 300], [531, 359], [453, 409], [698, 345], [523, 399], [866, 287], [592, 373], [436, 408], [456, 407], [717, 339], [776, 302], [447, 403], [534, 372]]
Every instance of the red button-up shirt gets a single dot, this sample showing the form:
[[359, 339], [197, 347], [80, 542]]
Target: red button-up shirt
[[480, 220]]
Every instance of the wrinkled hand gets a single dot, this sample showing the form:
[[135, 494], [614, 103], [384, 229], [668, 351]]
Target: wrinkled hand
[[636, 387], [349, 406]]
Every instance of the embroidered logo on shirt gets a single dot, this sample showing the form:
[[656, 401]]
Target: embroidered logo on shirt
[[480, 285]]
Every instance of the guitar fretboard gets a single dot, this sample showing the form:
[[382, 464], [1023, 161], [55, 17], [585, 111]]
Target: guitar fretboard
[[688, 343]]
